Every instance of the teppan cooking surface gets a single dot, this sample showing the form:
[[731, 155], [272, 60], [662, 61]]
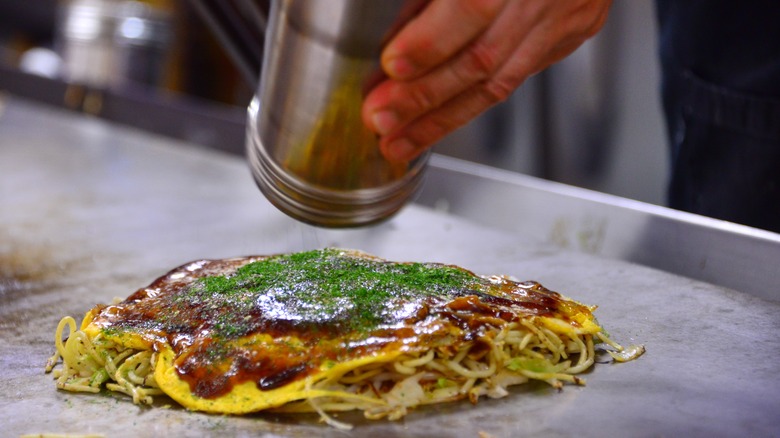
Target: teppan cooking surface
[[90, 211]]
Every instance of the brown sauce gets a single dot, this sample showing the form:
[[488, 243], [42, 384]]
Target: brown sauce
[[209, 337]]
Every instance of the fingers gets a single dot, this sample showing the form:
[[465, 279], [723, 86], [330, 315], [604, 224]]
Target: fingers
[[395, 103], [556, 34], [483, 66], [415, 137], [424, 42]]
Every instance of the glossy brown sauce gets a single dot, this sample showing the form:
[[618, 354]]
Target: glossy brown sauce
[[212, 364]]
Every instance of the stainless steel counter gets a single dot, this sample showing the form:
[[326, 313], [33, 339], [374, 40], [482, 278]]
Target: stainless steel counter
[[90, 211], [715, 251]]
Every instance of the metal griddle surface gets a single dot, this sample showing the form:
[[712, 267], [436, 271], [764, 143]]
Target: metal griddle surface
[[90, 211]]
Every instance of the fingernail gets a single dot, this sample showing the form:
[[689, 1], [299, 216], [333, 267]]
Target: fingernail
[[400, 68], [400, 150], [384, 121]]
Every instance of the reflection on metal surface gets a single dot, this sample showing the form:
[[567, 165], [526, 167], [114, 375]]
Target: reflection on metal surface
[[310, 153], [585, 234], [323, 205]]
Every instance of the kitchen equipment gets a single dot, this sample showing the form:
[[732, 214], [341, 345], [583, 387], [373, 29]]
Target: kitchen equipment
[[106, 43], [309, 151], [91, 210]]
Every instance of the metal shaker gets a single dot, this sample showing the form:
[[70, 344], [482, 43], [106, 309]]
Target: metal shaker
[[308, 149]]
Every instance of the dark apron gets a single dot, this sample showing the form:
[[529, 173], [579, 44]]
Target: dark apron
[[721, 97]]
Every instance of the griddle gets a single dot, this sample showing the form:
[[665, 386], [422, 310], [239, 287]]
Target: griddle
[[90, 211]]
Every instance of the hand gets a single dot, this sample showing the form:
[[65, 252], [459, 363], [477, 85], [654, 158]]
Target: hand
[[458, 58]]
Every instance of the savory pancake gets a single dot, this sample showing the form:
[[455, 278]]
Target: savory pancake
[[328, 330]]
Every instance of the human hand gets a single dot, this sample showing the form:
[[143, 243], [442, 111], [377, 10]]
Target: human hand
[[458, 58]]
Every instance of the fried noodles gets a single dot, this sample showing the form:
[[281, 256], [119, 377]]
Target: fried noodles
[[304, 333], [518, 352]]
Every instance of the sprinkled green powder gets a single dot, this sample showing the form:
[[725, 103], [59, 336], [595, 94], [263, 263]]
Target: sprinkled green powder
[[324, 285]]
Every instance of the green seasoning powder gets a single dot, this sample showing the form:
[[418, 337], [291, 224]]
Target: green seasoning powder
[[327, 289]]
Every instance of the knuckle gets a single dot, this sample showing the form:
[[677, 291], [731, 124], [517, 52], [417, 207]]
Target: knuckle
[[597, 21], [499, 89], [422, 98], [598, 24], [438, 127], [432, 129], [480, 60], [483, 10]]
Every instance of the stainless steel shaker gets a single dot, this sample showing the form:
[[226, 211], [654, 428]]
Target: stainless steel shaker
[[308, 149]]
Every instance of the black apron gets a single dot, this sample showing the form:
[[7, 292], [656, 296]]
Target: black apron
[[721, 97]]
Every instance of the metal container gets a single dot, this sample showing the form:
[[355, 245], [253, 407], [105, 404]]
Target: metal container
[[86, 42], [111, 43], [308, 149]]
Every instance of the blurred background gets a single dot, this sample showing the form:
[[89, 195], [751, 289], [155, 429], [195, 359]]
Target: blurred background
[[188, 69]]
